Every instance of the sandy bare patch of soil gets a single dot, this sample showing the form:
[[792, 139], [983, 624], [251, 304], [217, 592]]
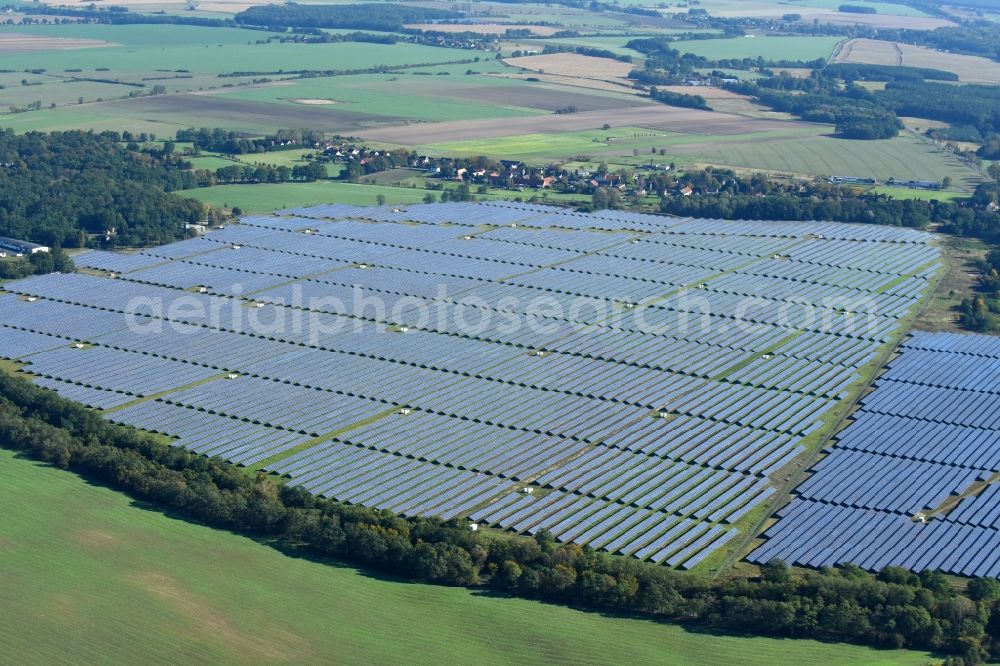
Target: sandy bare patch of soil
[[970, 69], [485, 28], [315, 102], [659, 116], [13, 42], [574, 65]]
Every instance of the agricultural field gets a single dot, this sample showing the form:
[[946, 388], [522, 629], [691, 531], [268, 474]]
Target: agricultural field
[[777, 48], [669, 462], [439, 98], [654, 117], [151, 48], [903, 158], [793, 148], [910, 193], [79, 563], [573, 65], [91, 87], [13, 42], [888, 15], [970, 69]]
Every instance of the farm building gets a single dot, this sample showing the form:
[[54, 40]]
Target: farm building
[[20, 247], [853, 180], [916, 184]]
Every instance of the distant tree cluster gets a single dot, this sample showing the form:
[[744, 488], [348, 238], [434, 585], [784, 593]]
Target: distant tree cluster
[[218, 140], [856, 9], [39, 263], [679, 99], [382, 16], [850, 71], [895, 609]]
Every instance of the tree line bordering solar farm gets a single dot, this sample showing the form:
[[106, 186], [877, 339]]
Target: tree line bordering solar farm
[[63, 188], [894, 608]]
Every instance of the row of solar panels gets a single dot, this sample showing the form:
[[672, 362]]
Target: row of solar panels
[[912, 481], [497, 212], [444, 421]]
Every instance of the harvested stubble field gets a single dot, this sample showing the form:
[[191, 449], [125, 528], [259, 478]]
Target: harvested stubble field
[[573, 65], [13, 42], [970, 69]]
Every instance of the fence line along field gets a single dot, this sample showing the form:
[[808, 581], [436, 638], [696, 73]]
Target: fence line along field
[[969, 68], [610, 420], [80, 562]]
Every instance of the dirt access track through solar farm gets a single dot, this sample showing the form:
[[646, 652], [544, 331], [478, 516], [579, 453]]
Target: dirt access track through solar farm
[[662, 117]]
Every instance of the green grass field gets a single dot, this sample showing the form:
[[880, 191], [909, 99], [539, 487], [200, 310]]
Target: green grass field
[[535, 147], [902, 157], [806, 150], [89, 577], [921, 195], [775, 48]]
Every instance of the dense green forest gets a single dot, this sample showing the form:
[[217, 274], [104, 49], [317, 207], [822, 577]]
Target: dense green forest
[[893, 609], [388, 17], [58, 188], [966, 105]]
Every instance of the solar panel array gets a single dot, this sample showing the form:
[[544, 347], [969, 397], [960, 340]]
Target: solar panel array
[[913, 481], [661, 370]]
